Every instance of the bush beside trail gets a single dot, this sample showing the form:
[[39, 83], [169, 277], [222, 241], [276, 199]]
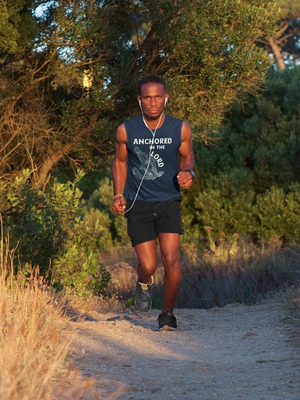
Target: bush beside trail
[[248, 183], [46, 229]]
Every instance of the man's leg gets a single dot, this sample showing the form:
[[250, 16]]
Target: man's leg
[[169, 247], [146, 253]]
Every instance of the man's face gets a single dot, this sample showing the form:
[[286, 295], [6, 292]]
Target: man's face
[[153, 97]]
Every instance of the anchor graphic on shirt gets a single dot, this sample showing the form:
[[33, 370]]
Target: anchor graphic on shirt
[[152, 170]]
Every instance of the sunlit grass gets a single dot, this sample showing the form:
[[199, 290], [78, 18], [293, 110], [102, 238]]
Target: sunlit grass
[[34, 337], [215, 272], [32, 347]]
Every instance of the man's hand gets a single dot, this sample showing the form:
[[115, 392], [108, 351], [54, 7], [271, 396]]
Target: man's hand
[[184, 179], [119, 206]]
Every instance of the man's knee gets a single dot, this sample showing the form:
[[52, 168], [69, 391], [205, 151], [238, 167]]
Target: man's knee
[[171, 260], [148, 268]]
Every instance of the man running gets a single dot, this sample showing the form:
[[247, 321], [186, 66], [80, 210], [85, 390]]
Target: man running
[[146, 160]]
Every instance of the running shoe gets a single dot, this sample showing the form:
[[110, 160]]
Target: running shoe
[[167, 321], [143, 296]]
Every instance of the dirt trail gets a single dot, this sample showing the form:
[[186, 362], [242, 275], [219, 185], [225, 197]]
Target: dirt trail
[[237, 352]]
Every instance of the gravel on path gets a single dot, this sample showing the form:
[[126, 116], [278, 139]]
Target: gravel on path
[[236, 352]]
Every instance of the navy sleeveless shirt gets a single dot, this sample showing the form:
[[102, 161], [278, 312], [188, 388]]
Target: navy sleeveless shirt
[[160, 182]]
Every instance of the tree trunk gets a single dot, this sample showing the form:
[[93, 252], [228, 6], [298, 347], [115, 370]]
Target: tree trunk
[[276, 50], [50, 162]]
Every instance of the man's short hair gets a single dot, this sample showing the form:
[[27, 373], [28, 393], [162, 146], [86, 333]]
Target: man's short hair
[[151, 79]]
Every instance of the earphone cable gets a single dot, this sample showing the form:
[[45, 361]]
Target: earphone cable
[[153, 137]]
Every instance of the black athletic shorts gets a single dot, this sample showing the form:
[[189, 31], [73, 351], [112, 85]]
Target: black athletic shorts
[[146, 220]]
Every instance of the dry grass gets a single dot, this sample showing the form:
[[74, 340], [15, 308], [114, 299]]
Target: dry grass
[[292, 296], [34, 343], [121, 263], [220, 272], [32, 349], [293, 304], [34, 338], [237, 273], [79, 308]]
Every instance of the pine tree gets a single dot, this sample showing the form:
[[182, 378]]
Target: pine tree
[[249, 181]]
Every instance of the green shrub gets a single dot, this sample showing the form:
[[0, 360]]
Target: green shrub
[[227, 203], [37, 222], [100, 202], [261, 135], [248, 182], [78, 264], [46, 229], [278, 213]]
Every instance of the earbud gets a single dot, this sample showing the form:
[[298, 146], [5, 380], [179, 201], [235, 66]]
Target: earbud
[[166, 100], [140, 104]]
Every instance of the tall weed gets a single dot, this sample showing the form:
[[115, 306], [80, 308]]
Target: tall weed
[[234, 270], [227, 270], [32, 344], [32, 348], [293, 300], [34, 338]]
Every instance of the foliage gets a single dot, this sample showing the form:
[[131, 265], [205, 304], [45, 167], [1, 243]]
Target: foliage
[[206, 50], [271, 214], [17, 27], [99, 206], [227, 203], [219, 61], [278, 213], [46, 229], [78, 263], [45, 109], [249, 182]]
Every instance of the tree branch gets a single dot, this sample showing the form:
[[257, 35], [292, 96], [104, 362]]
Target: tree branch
[[283, 39], [95, 116], [284, 28], [276, 50], [51, 161], [141, 49]]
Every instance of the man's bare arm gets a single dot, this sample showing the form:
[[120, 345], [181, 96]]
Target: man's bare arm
[[187, 159], [119, 169]]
